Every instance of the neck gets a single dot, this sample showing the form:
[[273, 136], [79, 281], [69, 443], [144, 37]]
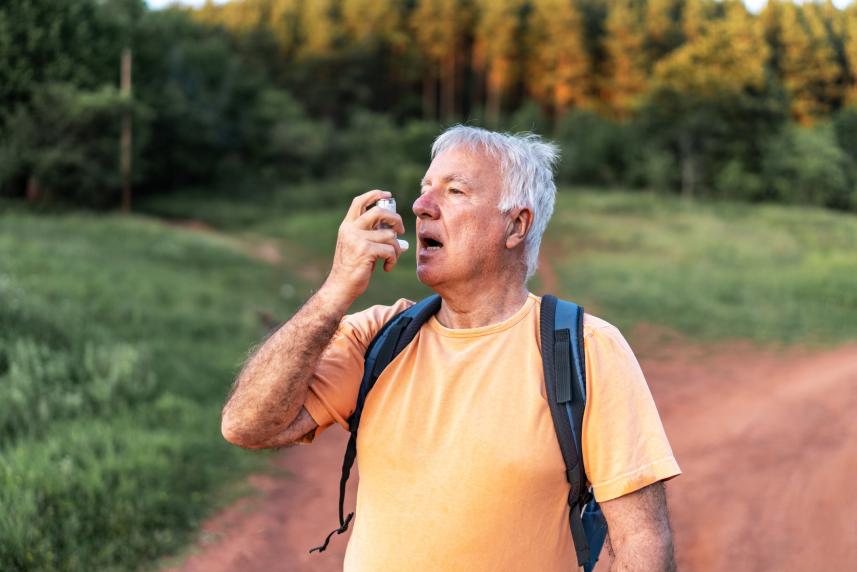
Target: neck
[[481, 305]]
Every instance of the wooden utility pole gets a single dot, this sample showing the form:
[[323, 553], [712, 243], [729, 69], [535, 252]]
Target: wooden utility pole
[[125, 138]]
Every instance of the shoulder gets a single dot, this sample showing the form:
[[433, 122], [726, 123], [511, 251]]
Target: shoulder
[[603, 341], [595, 329], [365, 324], [602, 338]]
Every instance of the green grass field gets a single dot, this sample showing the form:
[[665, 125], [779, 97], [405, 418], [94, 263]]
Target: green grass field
[[769, 273], [119, 337]]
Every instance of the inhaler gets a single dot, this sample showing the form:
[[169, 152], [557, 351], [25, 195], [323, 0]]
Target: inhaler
[[390, 205]]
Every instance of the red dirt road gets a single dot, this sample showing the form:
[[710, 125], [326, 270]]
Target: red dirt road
[[766, 441]]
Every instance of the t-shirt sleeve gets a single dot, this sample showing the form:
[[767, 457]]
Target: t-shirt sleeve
[[625, 447], [334, 385]]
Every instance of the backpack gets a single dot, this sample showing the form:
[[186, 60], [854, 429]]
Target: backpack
[[561, 325]]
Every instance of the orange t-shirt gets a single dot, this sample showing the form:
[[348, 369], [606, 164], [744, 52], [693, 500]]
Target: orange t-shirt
[[460, 468]]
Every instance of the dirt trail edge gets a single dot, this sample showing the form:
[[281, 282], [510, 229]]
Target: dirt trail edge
[[766, 441]]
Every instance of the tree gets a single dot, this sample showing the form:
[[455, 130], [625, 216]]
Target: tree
[[498, 31], [439, 27], [77, 47], [850, 33], [625, 64], [694, 17], [728, 57], [65, 145], [320, 29], [372, 21], [559, 69], [662, 27], [717, 77], [808, 64], [282, 21]]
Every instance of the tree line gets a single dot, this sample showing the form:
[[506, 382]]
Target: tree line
[[700, 97]]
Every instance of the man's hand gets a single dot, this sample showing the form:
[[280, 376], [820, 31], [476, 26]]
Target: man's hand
[[639, 529], [359, 244], [265, 407]]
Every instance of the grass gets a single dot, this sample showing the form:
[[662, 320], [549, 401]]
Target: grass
[[772, 274], [119, 337]]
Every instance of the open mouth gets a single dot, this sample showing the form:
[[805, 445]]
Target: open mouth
[[431, 244]]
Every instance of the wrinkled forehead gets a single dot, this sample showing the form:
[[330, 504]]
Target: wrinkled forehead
[[473, 167]]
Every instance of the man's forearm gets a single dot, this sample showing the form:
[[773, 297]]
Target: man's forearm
[[645, 554], [272, 385]]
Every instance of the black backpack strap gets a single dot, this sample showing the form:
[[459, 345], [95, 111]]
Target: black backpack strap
[[388, 343], [561, 326]]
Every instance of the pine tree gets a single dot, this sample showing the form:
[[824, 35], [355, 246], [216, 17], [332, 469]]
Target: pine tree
[[850, 33], [320, 30], [808, 64], [727, 57], [438, 26], [712, 71], [371, 20], [558, 70], [283, 21], [694, 16], [662, 27], [240, 17], [498, 28], [626, 64]]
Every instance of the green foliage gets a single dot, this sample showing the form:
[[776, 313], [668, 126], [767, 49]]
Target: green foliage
[[769, 273], [845, 127], [44, 42], [66, 142], [277, 94], [381, 155], [774, 274], [595, 150], [807, 166], [119, 338]]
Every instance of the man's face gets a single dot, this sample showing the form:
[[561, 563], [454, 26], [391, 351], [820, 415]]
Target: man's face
[[461, 232]]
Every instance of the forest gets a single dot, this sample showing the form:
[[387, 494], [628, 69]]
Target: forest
[[698, 97]]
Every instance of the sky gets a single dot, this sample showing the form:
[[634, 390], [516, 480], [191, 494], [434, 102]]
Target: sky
[[753, 5]]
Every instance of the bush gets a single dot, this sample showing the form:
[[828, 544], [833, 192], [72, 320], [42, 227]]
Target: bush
[[373, 152], [735, 181], [118, 339], [67, 143], [595, 150], [806, 165]]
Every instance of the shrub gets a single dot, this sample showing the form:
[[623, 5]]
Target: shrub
[[594, 149], [806, 165]]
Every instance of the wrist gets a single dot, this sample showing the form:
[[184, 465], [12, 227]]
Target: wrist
[[334, 298]]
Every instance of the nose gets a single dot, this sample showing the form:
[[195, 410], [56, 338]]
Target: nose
[[425, 206]]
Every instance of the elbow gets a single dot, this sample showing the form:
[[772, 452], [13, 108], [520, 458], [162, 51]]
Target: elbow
[[233, 434], [229, 431]]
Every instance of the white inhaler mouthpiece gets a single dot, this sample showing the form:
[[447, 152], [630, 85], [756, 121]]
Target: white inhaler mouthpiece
[[390, 205]]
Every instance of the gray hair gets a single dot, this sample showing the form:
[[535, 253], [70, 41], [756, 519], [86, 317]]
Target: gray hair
[[526, 167]]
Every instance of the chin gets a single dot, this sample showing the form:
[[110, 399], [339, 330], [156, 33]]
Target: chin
[[430, 278]]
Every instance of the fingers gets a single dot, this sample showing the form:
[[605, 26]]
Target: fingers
[[388, 252], [360, 202], [386, 236], [373, 216]]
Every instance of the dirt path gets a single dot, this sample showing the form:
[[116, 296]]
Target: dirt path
[[766, 441]]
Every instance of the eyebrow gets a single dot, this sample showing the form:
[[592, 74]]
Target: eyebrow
[[452, 177]]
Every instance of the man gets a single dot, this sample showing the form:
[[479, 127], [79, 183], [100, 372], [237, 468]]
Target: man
[[460, 468]]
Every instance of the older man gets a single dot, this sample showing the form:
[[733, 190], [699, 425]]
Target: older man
[[459, 463]]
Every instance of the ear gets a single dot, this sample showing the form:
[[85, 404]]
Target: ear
[[520, 221]]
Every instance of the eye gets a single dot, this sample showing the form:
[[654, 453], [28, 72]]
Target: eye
[[455, 191]]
